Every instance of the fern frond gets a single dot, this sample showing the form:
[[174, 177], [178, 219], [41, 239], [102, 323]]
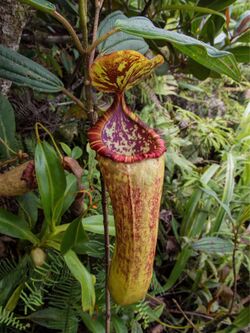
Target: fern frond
[[6, 266], [142, 310], [54, 271], [9, 319], [34, 299]]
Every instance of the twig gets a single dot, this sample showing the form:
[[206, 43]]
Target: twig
[[107, 253], [101, 39], [44, 38], [184, 314], [70, 30], [75, 99], [145, 9], [93, 117], [235, 231], [98, 7], [88, 94]]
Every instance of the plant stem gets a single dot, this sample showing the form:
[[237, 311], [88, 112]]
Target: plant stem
[[98, 7], [88, 95], [107, 253], [75, 99], [188, 320], [101, 39], [70, 30], [235, 231]]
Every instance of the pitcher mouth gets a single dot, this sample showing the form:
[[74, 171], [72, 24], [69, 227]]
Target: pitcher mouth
[[123, 137]]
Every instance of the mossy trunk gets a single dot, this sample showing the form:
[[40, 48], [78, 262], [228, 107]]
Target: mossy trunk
[[13, 16]]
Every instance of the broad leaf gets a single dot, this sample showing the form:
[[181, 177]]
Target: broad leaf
[[43, 5], [219, 61], [94, 325], [85, 279], [7, 127], [25, 72], [241, 53], [51, 180], [15, 226], [95, 224], [74, 235], [54, 318], [29, 204], [215, 4], [120, 40], [213, 245]]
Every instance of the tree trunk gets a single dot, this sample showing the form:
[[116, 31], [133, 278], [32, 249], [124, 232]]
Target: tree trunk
[[13, 16]]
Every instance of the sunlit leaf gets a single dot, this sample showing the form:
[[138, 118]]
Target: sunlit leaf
[[85, 279], [219, 61]]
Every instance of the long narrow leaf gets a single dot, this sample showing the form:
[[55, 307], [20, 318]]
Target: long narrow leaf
[[193, 220], [51, 180], [15, 226], [85, 279], [227, 194], [7, 127], [178, 269]]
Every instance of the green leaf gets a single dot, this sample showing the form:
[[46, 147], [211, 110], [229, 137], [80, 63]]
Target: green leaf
[[219, 61], [154, 314], [120, 40], [25, 72], [7, 127], [243, 318], [241, 53], [50, 178], [76, 153], [29, 205], [213, 245], [70, 192], [136, 327], [243, 38], [14, 226], [66, 148], [179, 266], [227, 195], [215, 4], [74, 235], [43, 5], [14, 298], [85, 279], [241, 321], [95, 224], [193, 220], [53, 318], [190, 8], [92, 248], [118, 324], [94, 325]]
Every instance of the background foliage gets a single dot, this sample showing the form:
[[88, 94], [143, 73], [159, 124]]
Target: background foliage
[[51, 267]]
